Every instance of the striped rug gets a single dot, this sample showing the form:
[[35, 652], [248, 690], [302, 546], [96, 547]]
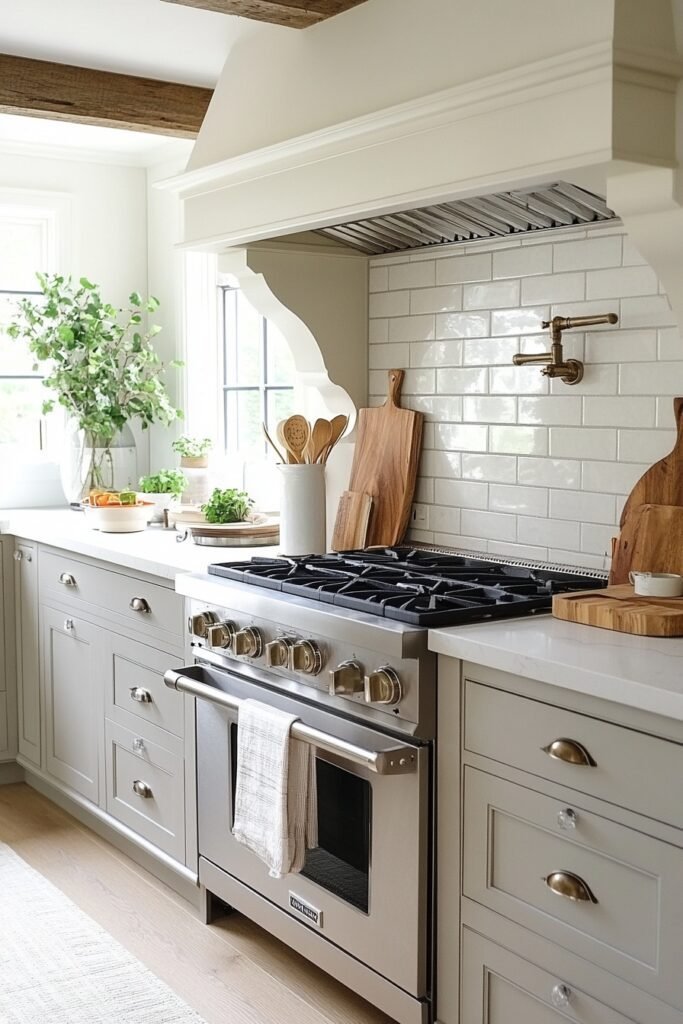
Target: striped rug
[[57, 966]]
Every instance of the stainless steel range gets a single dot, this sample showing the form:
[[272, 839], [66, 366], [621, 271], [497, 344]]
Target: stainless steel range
[[341, 641]]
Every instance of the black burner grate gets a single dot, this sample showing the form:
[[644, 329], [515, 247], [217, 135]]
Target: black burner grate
[[413, 585]]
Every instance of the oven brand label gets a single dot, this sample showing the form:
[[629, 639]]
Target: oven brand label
[[305, 910]]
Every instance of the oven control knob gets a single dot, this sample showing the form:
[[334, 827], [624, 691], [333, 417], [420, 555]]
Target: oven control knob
[[221, 634], [305, 656], [199, 624], [383, 687], [249, 642], [346, 678], [277, 652]]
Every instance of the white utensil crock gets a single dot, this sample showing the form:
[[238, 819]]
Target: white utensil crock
[[302, 510]]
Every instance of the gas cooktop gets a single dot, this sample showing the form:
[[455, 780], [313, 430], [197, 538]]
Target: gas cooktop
[[412, 585]]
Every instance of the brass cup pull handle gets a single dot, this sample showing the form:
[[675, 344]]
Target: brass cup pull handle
[[142, 789], [139, 604], [67, 580], [140, 694], [569, 751], [571, 886]]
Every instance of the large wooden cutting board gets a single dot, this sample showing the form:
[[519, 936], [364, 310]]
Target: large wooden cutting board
[[385, 463], [662, 483], [651, 540], [620, 609]]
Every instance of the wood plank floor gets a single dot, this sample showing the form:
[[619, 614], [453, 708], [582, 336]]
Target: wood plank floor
[[231, 972]]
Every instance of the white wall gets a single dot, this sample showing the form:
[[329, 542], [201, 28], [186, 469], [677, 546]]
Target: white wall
[[512, 464]]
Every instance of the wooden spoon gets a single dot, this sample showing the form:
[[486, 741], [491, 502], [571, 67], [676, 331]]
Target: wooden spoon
[[338, 425], [296, 433], [320, 438], [289, 458]]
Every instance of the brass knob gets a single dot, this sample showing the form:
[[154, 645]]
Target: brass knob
[[569, 751], [277, 652], [140, 694], [142, 789], [305, 656], [248, 642], [139, 604], [67, 579], [569, 885], [221, 634], [383, 686], [199, 624], [346, 678]]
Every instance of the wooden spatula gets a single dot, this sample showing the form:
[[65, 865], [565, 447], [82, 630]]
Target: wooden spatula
[[351, 524], [661, 484]]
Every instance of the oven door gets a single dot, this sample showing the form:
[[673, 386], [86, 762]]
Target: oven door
[[365, 888]]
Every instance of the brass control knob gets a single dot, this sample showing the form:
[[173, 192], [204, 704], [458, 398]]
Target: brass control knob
[[305, 656], [383, 686], [248, 642], [199, 624], [221, 634], [277, 652], [346, 678]]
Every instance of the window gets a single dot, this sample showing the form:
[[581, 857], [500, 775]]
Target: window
[[258, 375], [27, 245]]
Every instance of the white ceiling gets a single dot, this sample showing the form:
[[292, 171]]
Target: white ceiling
[[141, 37]]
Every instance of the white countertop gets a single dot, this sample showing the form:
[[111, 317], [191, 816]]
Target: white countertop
[[642, 672], [154, 551]]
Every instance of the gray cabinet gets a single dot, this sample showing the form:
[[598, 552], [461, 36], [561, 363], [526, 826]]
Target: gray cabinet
[[27, 651], [72, 671]]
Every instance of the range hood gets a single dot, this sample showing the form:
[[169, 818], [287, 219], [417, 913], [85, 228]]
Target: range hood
[[499, 214]]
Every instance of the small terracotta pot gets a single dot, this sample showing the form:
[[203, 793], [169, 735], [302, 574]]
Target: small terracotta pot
[[194, 462]]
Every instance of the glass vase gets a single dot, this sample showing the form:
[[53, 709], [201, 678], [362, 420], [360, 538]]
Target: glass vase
[[90, 461]]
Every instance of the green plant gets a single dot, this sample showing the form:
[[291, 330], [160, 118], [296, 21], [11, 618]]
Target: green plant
[[103, 369], [227, 506], [166, 481], [192, 447]]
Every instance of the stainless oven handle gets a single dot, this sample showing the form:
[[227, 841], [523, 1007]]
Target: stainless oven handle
[[396, 761]]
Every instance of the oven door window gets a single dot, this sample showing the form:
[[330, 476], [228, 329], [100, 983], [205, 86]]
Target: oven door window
[[341, 861]]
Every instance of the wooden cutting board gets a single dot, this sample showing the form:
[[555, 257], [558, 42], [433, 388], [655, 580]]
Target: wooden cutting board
[[385, 463], [620, 609], [351, 524], [651, 540], [662, 483]]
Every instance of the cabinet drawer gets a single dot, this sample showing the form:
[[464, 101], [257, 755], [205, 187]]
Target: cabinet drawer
[[515, 730], [136, 685], [622, 906], [146, 790], [145, 607], [499, 987]]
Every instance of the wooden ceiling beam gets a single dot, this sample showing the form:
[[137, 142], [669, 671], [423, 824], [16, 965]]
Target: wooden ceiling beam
[[40, 88], [292, 13]]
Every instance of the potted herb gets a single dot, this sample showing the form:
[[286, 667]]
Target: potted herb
[[193, 451], [164, 489], [227, 506], [102, 369]]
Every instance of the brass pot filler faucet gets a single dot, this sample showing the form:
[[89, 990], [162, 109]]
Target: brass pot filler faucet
[[571, 370]]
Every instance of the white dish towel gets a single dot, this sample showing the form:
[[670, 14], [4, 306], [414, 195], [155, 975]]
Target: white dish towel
[[276, 812]]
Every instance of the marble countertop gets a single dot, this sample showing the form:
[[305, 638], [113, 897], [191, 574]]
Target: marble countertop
[[641, 672], [154, 551]]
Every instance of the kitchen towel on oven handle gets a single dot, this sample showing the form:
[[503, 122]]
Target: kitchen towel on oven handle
[[276, 814]]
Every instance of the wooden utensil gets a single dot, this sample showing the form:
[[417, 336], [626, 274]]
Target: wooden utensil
[[351, 524], [272, 443], [661, 484], [320, 438], [338, 425], [385, 463], [620, 609], [296, 432], [651, 540]]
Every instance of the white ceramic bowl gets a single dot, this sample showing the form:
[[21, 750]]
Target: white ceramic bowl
[[118, 518]]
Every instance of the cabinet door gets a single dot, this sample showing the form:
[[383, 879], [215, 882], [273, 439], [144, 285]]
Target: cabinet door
[[27, 646], [72, 666]]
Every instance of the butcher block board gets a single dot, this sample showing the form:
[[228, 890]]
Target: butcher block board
[[385, 463], [661, 484], [619, 608]]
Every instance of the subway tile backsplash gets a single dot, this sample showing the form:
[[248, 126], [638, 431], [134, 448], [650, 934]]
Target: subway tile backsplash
[[513, 464]]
